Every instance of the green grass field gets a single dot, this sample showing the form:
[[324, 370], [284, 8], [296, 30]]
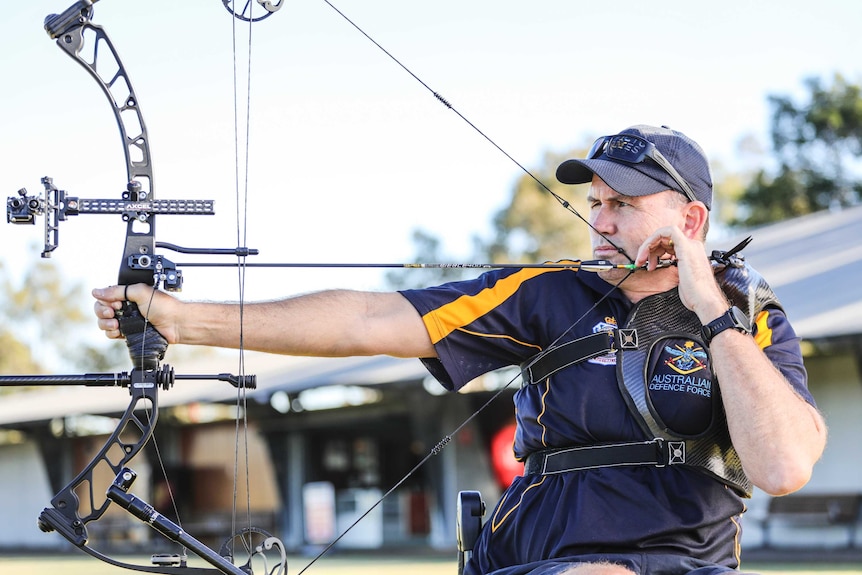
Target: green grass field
[[78, 564]]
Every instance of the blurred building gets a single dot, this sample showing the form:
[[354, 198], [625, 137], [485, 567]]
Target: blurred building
[[327, 438]]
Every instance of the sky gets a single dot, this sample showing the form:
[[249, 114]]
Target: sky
[[348, 152]]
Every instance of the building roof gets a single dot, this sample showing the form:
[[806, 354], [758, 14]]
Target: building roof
[[814, 265]]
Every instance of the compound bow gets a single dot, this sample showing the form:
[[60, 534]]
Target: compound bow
[[140, 263], [138, 207]]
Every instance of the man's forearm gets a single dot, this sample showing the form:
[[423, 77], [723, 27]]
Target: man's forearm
[[778, 435], [333, 323]]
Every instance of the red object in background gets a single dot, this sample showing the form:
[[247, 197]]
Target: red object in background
[[506, 467]]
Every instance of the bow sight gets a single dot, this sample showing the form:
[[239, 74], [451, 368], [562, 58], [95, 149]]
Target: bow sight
[[134, 207], [23, 209], [138, 207]]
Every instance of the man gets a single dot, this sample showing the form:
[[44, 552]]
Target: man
[[679, 422]]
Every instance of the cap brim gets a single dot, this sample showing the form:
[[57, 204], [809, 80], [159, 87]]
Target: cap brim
[[574, 172], [623, 178]]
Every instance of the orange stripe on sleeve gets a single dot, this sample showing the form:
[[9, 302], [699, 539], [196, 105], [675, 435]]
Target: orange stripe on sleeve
[[763, 337], [468, 308]]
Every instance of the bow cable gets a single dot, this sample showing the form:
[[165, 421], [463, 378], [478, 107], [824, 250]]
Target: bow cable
[[241, 194], [448, 437]]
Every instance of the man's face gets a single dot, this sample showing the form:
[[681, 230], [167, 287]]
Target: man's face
[[627, 221]]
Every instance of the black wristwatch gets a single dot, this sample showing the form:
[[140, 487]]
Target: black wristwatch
[[733, 318]]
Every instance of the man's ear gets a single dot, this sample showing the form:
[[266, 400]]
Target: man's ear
[[696, 220]]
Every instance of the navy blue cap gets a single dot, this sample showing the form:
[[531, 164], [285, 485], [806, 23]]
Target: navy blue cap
[[647, 177]]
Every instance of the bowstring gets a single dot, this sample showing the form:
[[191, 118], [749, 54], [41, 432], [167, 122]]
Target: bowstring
[[563, 202], [241, 241], [241, 193]]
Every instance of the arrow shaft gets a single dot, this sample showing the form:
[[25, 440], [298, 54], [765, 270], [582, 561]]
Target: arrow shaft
[[588, 266]]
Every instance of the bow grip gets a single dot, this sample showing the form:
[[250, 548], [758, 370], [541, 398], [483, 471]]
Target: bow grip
[[146, 345]]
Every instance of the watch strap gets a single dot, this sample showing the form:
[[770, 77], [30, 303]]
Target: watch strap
[[733, 318]]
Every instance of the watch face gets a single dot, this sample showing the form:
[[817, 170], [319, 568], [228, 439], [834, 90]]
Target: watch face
[[740, 319]]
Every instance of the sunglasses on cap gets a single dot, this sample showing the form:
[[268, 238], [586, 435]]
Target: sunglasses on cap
[[633, 150]]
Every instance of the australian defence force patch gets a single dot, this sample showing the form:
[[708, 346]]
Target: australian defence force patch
[[680, 386]]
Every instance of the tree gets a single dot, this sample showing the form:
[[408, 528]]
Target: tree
[[15, 355], [427, 251], [40, 318], [816, 144], [534, 227]]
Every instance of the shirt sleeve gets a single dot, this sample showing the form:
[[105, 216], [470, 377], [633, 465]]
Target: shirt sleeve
[[778, 340], [480, 325]]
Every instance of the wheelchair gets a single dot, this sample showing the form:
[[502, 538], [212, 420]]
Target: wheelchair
[[468, 524]]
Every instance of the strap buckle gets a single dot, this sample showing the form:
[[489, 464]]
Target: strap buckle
[[669, 452]]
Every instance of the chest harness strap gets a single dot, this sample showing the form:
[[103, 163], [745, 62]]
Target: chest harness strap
[[544, 366], [657, 452]]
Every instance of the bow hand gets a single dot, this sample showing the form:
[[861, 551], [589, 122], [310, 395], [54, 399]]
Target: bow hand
[[119, 309]]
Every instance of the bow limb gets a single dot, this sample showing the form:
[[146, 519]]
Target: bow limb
[[64, 515], [74, 32], [78, 504]]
